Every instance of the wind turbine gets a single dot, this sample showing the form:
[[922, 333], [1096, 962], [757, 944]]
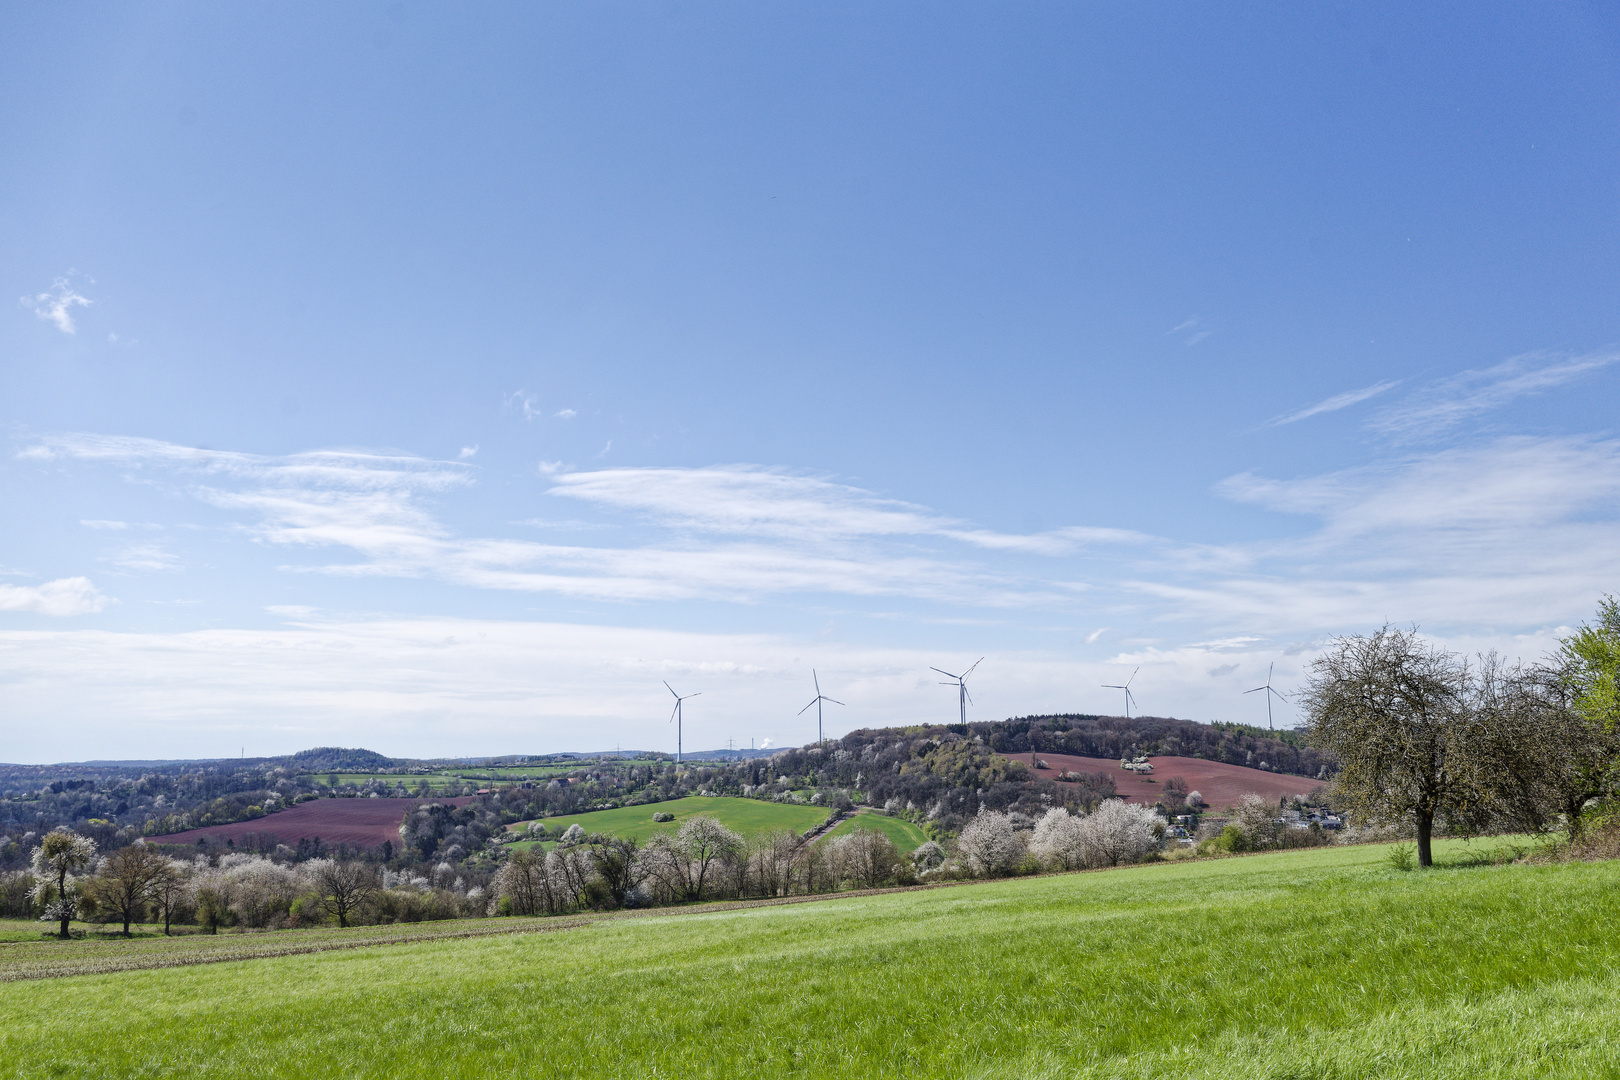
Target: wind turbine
[[820, 697], [1269, 692], [960, 682], [676, 716], [1129, 697]]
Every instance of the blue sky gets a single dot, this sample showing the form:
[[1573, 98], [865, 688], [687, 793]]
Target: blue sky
[[442, 380]]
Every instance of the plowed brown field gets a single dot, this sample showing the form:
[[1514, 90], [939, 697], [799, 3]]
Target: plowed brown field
[[1220, 784], [365, 822]]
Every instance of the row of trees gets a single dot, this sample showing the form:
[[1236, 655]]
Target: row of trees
[[71, 881], [1430, 739], [704, 860]]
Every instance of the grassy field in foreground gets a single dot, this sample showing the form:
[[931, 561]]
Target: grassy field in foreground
[[747, 816], [906, 836], [1322, 964]]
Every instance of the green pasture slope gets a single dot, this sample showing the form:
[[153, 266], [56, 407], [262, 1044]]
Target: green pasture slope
[[906, 836], [747, 816], [1318, 964]]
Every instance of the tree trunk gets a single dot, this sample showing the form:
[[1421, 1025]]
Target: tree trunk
[[64, 934], [1425, 826], [126, 924], [165, 922]]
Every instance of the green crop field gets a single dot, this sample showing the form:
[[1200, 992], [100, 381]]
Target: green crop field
[[1324, 963], [747, 816], [906, 836]]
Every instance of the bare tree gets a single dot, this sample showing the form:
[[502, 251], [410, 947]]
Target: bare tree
[[870, 858], [170, 889], [345, 887], [618, 865], [775, 861], [1547, 759], [1397, 714], [60, 857], [124, 882], [520, 880], [683, 863]]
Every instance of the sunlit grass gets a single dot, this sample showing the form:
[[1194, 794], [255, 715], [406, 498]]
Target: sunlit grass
[[906, 836], [1317, 963], [750, 817]]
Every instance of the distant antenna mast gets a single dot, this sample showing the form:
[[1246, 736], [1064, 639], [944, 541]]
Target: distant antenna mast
[[1269, 692], [679, 718], [963, 699], [1127, 688], [819, 698]]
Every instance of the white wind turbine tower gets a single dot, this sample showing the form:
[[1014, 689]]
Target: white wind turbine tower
[[963, 700], [678, 718], [1269, 692], [1129, 697], [820, 697]]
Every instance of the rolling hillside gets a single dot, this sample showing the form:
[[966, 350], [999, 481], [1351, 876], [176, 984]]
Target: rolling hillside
[[749, 817]]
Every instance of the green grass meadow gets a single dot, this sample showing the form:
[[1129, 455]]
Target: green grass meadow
[[749, 817], [906, 836], [1323, 963]]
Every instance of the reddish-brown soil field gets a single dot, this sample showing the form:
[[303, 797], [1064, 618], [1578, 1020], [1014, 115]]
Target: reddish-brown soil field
[[363, 822], [1220, 784]]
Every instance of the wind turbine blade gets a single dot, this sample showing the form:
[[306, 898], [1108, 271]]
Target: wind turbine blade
[[817, 679], [976, 663], [967, 695], [673, 711], [807, 707], [1111, 686], [835, 701], [1132, 678], [1258, 688], [671, 689], [942, 671], [698, 694]]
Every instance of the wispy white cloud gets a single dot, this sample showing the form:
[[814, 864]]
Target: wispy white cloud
[[1517, 532], [1443, 404], [468, 452], [523, 403], [1334, 403], [99, 524], [769, 532], [56, 306], [62, 597], [145, 558], [565, 414]]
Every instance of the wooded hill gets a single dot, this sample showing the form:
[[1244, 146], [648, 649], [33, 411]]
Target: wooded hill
[[1116, 736]]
